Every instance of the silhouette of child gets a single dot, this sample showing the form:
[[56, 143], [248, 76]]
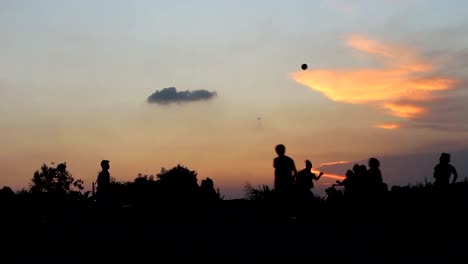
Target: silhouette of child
[[348, 182], [444, 170], [285, 170], [305, 178], [103, 181], [304, 183]]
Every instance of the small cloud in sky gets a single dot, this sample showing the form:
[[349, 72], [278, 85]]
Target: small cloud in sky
[[402, 86], [389, 126], [171, 95], [404, 110]]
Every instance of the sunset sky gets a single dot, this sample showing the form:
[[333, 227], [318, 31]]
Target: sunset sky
[[82, 81]]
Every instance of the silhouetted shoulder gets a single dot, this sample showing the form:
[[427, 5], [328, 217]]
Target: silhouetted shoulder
[[452, 169], [282, 161]]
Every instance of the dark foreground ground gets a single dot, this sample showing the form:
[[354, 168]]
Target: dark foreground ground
[[240, 231]]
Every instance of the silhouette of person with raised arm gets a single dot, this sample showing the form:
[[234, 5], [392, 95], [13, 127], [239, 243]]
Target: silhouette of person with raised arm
[[304, 183], [103, 184], [305, 178], [444, 170], [285, 170]]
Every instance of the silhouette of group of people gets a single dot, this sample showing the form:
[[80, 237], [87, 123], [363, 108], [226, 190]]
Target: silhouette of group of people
[[368, 181], [361, 181], [288, 182]]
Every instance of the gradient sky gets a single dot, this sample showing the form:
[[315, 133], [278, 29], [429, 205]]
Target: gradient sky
[[384, 77]]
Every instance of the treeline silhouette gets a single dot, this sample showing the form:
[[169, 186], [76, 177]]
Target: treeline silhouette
[[173, 191], [172, 214]]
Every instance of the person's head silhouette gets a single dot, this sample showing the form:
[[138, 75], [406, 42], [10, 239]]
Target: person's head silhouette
[[362, 169], [444, 158], [280, 149], [374, 163], [308, 164], [105, 165], [356, 168]]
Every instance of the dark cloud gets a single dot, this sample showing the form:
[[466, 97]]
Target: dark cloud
[[171, 95]]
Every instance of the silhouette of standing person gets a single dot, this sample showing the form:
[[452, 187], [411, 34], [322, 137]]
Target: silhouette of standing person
[[374, 176], [103, 184], [305, 178], [285, 171], [304, 183], [444, 170]]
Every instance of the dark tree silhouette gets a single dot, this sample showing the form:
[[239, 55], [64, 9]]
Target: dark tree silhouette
[[6, 192], [179, 179], [49, 179], [6, 196], [207, 190]]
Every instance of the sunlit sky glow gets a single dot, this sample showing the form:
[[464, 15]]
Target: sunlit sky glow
[[404, 78], [383, 77], [388, 126]]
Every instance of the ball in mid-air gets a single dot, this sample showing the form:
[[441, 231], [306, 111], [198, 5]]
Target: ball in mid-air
[[304, 66]]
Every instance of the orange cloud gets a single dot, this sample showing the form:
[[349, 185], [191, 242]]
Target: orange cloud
[[404, 77], [404, 110], [368, 45], [393, 55], [388, 126]]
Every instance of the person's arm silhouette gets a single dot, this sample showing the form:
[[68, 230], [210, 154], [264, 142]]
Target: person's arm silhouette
[[315, 177], [436, 172], [455, 175], [320, 175]]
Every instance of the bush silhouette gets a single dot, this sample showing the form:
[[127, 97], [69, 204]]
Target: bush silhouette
[[49, 179]]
